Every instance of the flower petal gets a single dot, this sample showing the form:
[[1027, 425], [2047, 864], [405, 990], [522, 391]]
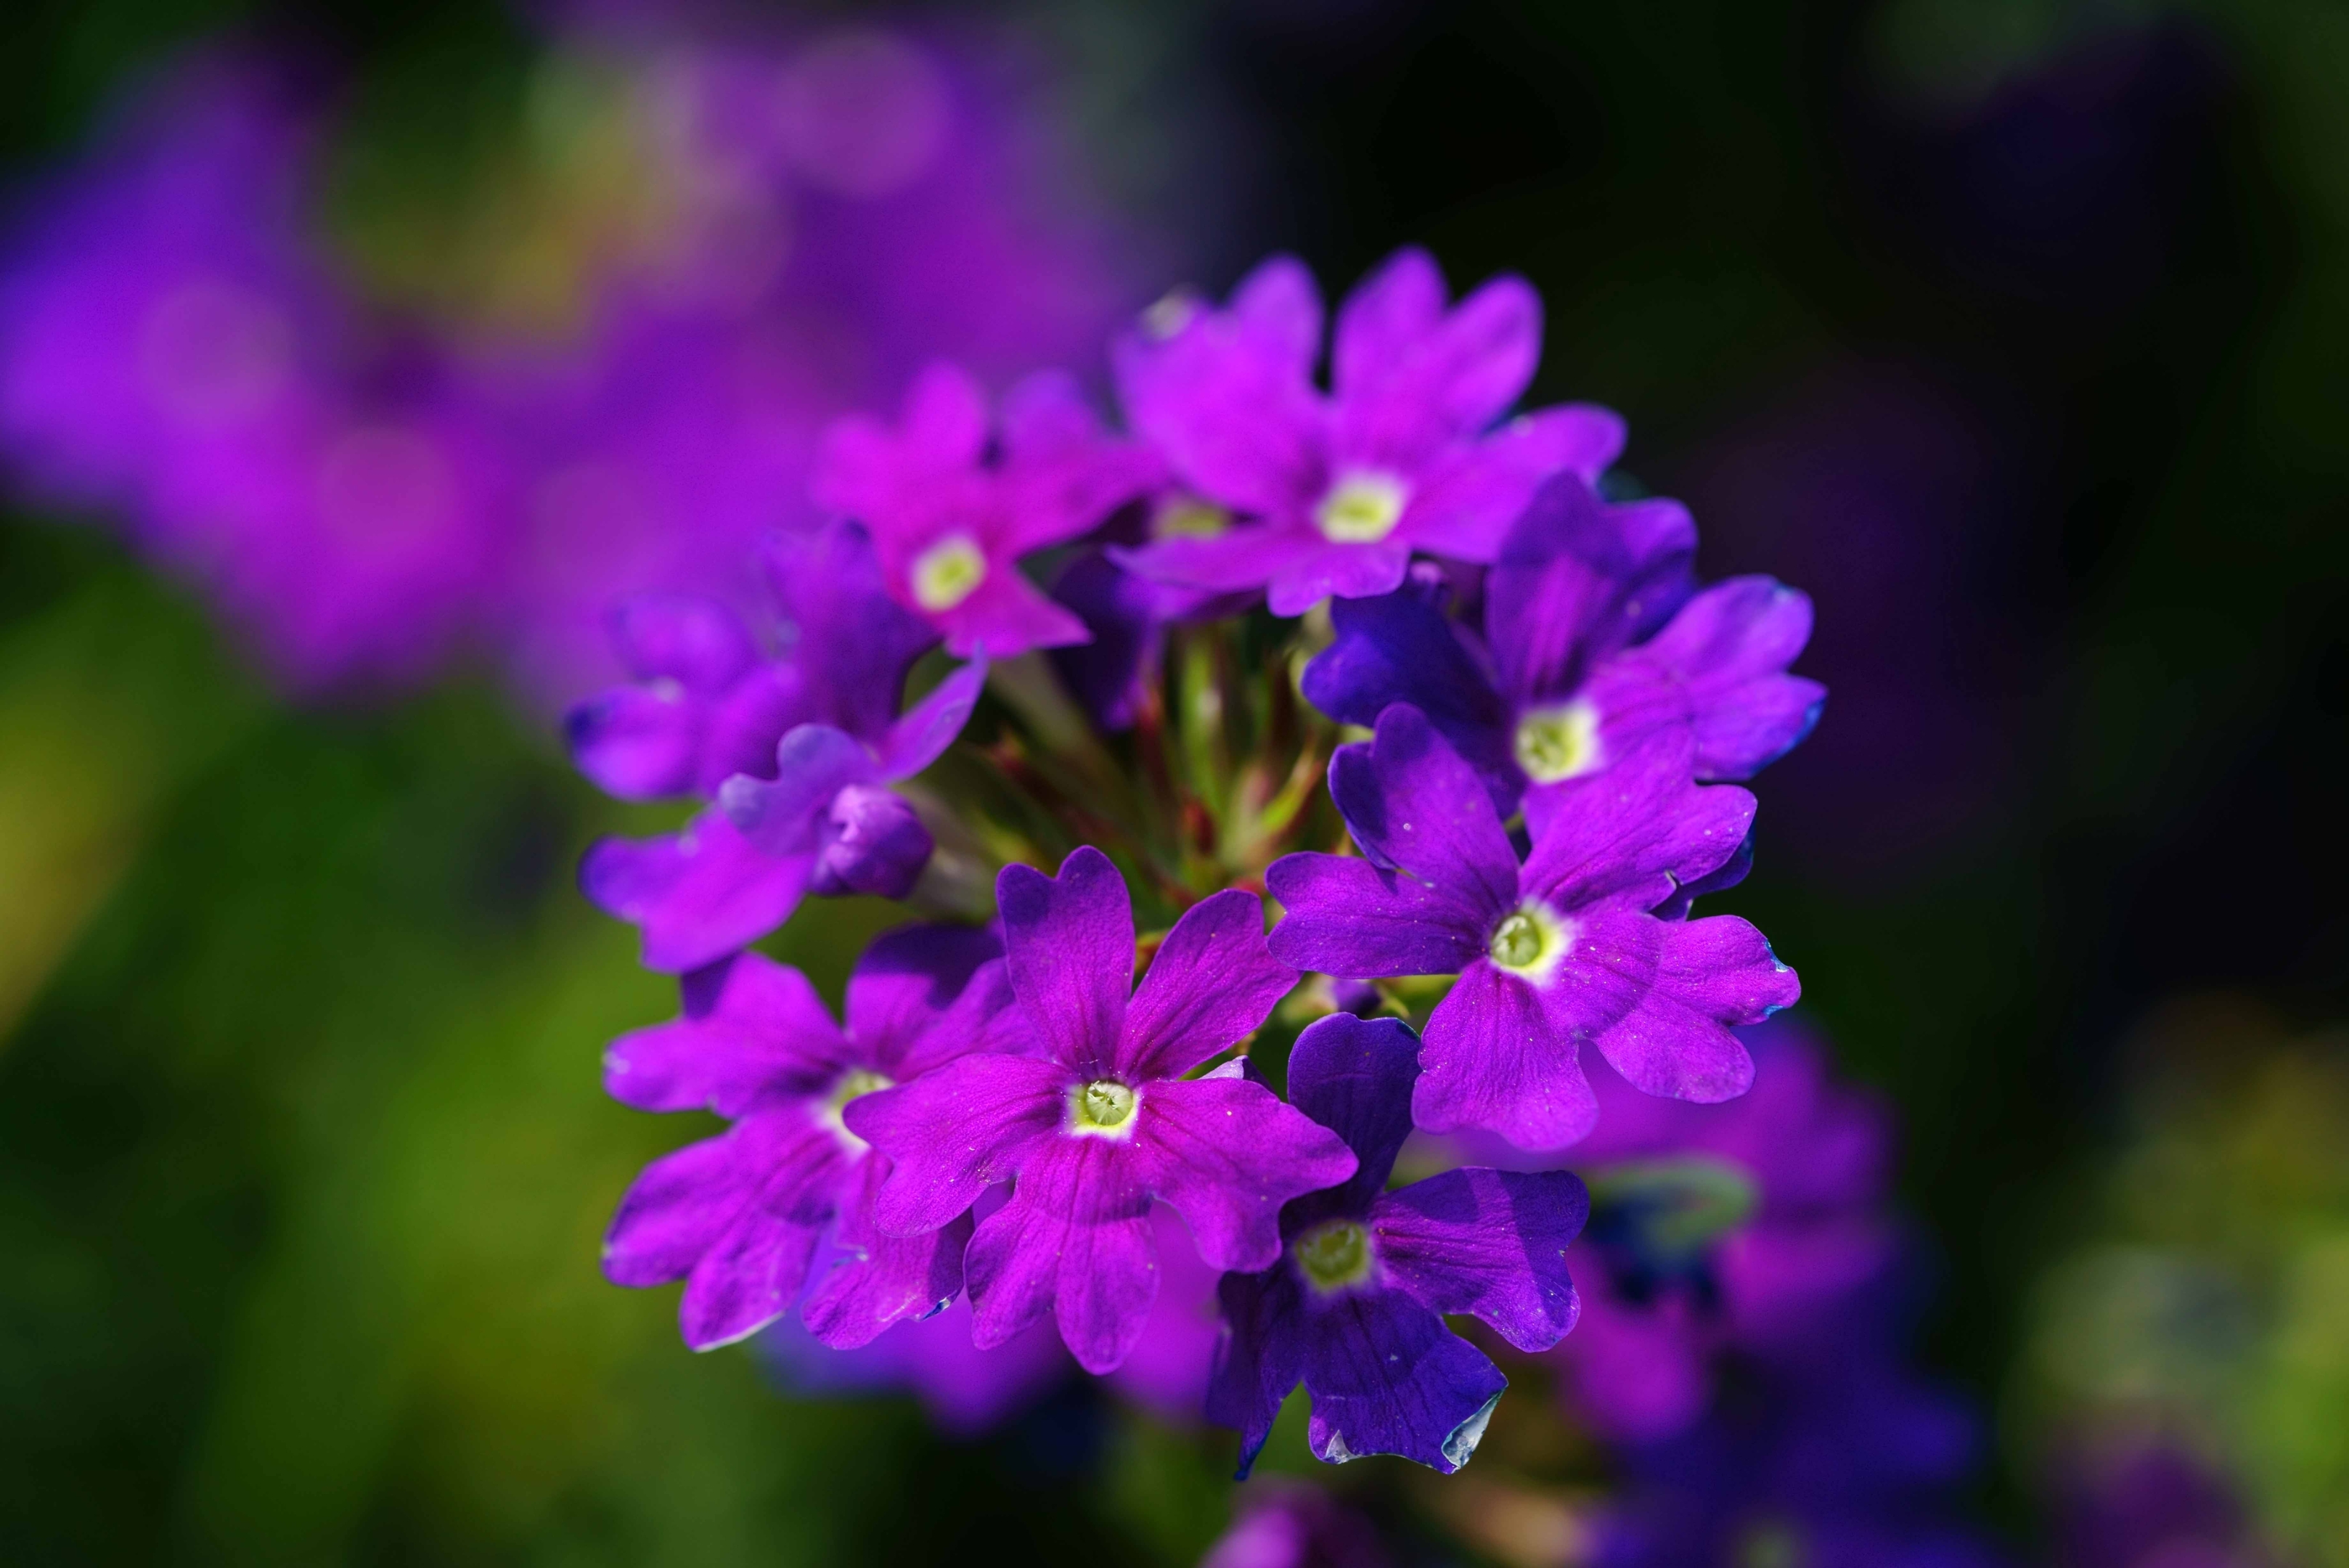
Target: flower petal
[[1577, 579], [638, 743], [1413, 803], [1464, 502], [697, 642], [1346, 917], [1075, 1238], [1387, 1377], [784, 816], [1401, 647], [1068, 942], [1212, 983], [1259, 1358], [1721, 668], [1007, 614], [1490, 1243], [1656, 997], [1227, 1153], [1492, 1058], [1354, 1076], [954, 1132], [753, 1028], [853, 643], [1631, 833], [884, 1279], [698, 895], [907, 980], [1385, 317], [931, 725], [1337, 571], [1446, 385]]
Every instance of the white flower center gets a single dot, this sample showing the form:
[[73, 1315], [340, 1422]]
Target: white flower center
[[1104, 1108], [948, 573], [1530, 941], [854, 1084], [1361, 508], [1560, 742]]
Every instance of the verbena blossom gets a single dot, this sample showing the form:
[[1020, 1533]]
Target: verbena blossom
[[1100, 1123], [1288, 1526], [798, 754], [1595, 641], [1355, 1307], [952, 510], [1332, 494], [1562, 949], [740, 1216]]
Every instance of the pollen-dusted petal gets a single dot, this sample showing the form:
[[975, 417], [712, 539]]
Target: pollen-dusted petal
[[1211, 984], [1068, 943], [698, 895], [1489, 1243]]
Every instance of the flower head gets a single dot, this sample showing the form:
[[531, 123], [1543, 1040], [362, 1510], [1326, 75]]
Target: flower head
[[796, 751], [952, 511], [1355, 1307], [1101, 1123], [739, 1217], [1335, 491], [1593, 644], [1563, 948]]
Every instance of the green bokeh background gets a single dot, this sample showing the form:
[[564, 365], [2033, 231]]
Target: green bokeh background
[[303, 1157]]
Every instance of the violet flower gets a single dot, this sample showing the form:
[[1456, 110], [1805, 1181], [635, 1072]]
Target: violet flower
[[1101, 1123], [1337, 491], [800, 755], [1593, 643], [951, 514], [738, 1217], [1296, 1527], [1562, 949], [1355, 1308]]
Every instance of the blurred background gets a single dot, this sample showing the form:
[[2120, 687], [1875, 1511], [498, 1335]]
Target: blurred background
[[351, 359]]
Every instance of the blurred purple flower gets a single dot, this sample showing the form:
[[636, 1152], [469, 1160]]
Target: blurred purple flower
[[1102, 1123], [1333, 493], [739, 1217], [967, 1391], [1290, 1526], [1355, 1307], [1561, 951]]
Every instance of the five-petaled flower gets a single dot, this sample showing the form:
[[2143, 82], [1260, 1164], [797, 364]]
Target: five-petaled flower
[[1354, 1308], [1595, 641], [738, 1217], [1334, 492], [1562, 949], [1101, 1123], [952, 511]]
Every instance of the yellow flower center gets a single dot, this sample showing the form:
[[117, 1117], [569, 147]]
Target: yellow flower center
[[1333, 1257], [1530, 941], [948, 573], [1557, 743], [1189, 517], [1104, 1108], [1361, 508], [854, 1084]]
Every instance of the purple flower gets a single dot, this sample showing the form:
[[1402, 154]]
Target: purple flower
[[1101, 1122], [966, 1391], [1562, 949], [1593, 644], [738, 1217], [798, 752], [1355, 1307], [951, 516], [1337, 491], [1296, 1527]]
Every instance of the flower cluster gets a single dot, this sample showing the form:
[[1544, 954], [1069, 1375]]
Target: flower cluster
[[1119, 668]]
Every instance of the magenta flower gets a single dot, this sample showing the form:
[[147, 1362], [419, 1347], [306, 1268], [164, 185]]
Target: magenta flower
[[738, 1217], [1335, 492], [1593, 643], [951, 517], [1355, 1309], [799, 754], [1562, 949], [1101, 1123]]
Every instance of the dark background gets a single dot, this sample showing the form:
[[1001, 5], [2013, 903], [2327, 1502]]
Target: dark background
[[2026, 350]]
